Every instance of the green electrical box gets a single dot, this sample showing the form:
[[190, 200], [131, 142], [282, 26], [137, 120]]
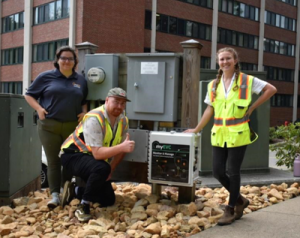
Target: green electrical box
[[257, 154], [19, 145]]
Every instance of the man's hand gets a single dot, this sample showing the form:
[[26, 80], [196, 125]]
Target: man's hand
[[109, 176], [128, 145]]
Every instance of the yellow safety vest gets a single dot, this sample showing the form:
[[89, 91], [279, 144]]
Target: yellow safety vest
[[230, 123], [75, 142]]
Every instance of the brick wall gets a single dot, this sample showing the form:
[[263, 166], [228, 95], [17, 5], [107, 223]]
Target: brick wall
[[281, 8], [281, 61], [37, 68], [12, 39], [185, 11], [12, 73], [12, 7], [276, 33], [50, 31], [40, 2], [283, 87], [79, 21], [115, 26], [278, 115], [254, 3], [229, 21]]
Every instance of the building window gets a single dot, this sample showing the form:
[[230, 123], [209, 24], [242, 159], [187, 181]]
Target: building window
[[279, 47], [148, 50], [46, 51], [291, 2], [13, 22], [201, 3], [11, 87], [275, 73], [230, 37], [280, 21], [205, 62], [148, 18], [239, 9], [177, 26], [12, 56], [51, 11], [282, 100], [248, 66]]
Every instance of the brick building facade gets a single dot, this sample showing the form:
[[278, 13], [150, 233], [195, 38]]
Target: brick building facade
[[264, 32]]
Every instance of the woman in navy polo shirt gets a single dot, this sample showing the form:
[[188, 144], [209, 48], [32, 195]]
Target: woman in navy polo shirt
[[58, 96]]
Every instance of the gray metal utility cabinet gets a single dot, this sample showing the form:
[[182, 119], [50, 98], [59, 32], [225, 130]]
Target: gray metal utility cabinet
[[152, 83], [101, 72], [20, 147]]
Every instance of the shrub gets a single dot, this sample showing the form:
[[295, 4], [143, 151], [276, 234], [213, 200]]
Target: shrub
[[272, 134], [289, 148]]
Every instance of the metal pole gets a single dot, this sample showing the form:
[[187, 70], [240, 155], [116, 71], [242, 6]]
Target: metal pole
[[296, 75], [72, 23], [153, 26], [214, 34], [261, 36], [28, 13]]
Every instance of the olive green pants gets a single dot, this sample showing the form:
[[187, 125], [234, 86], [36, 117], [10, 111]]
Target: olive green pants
[[52, 134]]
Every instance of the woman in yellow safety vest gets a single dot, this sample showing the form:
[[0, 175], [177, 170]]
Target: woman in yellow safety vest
[[229, 100]]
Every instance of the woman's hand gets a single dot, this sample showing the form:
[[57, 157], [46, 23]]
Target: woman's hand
[[249, 112], [84, 109], [80, 116], [190, 131], [42, 112]]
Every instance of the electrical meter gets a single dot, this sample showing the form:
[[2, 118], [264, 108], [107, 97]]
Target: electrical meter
[[174, 158], [102, 74], [96, 75]]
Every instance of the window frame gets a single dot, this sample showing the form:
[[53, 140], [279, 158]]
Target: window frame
[[12, 56], [9, 23], [183, 27], [42, 13], [44, 52]]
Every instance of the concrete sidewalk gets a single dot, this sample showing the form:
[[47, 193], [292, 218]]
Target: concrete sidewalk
[[276, 221], [276, 175]]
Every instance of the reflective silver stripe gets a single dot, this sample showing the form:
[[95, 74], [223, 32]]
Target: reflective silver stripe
[[218, 122], [243, 87], [235, 121], [214, 85], [79, 142], [124, 123], [213, 90]]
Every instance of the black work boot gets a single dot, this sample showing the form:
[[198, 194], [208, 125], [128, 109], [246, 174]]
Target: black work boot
[[83, 212], [241, 204], [228, 216]]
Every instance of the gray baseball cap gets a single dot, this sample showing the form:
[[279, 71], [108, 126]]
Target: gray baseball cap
[[118, 92]]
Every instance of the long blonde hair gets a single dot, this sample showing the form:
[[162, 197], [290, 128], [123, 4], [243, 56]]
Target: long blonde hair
[[220, 72]]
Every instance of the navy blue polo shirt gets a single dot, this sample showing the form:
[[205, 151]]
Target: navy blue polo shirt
[[62, 97]]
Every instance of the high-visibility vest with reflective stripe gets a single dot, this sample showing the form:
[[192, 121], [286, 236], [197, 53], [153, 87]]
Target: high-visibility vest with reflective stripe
[[230, 123], [75, 142]]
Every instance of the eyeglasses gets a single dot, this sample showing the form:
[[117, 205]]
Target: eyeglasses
[[118, 102], [70, 59]]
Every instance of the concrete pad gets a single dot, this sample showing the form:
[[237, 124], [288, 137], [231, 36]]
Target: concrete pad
[[276, 221]]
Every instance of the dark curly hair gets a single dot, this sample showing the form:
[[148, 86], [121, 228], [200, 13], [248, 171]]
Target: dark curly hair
[[59, 52]]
